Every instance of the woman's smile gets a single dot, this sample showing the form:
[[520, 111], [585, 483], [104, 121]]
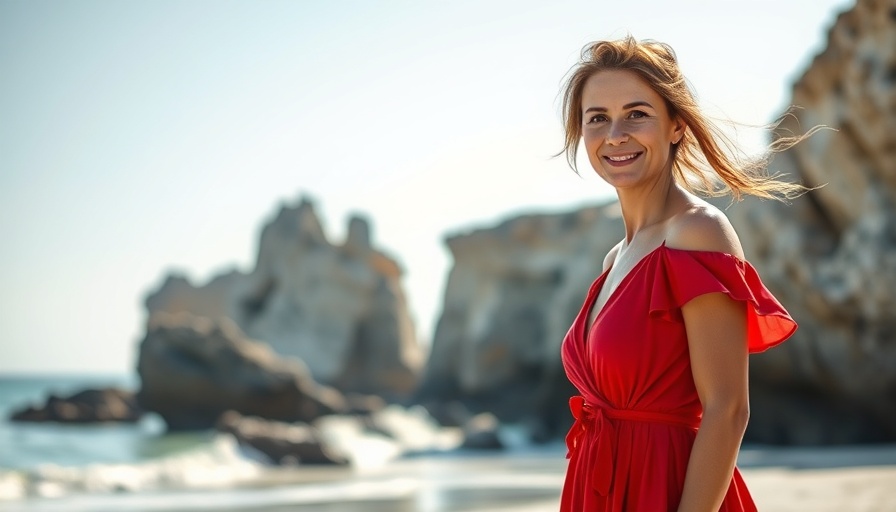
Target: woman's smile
[[622, 159]]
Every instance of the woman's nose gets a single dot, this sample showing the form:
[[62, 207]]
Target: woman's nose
[[616, 134]]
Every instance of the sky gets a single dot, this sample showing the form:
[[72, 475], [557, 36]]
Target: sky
[[141, 138]]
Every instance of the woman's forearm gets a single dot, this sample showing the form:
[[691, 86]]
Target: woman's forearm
[[712, 460]]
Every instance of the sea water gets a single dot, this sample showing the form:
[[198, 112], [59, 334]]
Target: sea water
[[29, 445], [49, 467]]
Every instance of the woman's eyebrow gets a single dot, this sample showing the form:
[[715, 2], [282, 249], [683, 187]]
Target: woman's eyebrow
[[624, 107]]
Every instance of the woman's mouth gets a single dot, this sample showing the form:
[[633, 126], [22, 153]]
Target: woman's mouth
[[622, 159]]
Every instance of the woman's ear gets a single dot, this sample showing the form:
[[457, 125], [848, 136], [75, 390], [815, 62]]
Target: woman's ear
[[679, 128]]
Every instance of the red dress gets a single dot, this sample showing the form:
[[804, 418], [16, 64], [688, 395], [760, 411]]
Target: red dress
[[638, 412]]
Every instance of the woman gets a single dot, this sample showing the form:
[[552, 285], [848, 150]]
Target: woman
[[659, 349]]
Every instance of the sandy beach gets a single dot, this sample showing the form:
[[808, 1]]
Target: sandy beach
[[859, 489], [849, 478], [839, 479], [854, 479]]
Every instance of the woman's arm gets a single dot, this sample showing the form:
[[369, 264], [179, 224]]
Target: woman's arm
[[716, 329]]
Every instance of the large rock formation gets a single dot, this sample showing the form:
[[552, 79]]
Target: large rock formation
[[338, 308], [511, 295], [830, 257], [193, 369]]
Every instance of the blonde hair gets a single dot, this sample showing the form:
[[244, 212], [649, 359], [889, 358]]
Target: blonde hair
[[699, 160]]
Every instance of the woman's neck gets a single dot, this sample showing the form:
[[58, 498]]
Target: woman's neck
[[643, 208]]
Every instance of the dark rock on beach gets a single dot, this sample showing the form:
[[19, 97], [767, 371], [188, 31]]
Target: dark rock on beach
[[481, 433], [102, 405], [453, 413], [281, 443], [194, 369]]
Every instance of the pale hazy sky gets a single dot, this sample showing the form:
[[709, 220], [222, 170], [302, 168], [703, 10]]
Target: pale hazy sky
[[143, 136]]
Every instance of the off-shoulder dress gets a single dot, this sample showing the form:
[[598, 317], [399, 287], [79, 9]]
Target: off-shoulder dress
[[638, 412]]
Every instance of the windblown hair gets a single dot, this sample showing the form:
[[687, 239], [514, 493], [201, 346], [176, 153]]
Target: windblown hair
[[704, 156]]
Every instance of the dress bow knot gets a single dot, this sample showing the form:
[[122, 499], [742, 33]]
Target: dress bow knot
[[597, 448], [592, 437]]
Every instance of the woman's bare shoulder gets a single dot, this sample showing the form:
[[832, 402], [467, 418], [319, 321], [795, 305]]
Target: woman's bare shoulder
[[611, 256], [703, 227]]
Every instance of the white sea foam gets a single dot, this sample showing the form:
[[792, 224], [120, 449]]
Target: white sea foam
[[13, 485], [416, 430], [215, 465], [427, 484], [404, 431]]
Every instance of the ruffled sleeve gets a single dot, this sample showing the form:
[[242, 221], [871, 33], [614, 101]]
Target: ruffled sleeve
[[689, 274]]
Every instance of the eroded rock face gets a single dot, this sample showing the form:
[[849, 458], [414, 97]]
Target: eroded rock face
[[511, 296], [338, 308], [830, 257], [193, 369]]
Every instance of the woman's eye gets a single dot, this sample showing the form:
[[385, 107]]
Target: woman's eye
[[637, 114], [598, 118]]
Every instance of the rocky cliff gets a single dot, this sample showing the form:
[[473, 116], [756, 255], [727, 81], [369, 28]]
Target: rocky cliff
[[511, 295], [830, 257], [339, 308]]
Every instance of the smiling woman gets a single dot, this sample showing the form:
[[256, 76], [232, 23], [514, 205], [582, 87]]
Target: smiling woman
[[626, 138], [659, 349], [698, 161]]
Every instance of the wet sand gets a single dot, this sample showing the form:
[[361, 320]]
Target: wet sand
[[472, 483]]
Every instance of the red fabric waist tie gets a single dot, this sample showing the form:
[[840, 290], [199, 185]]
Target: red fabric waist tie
[[600, 447]]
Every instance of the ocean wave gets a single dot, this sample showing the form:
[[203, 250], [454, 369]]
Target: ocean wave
[[221, 463], [218, 464], [515, 481], [400, 431]]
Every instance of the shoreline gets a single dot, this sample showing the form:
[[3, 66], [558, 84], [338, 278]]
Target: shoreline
[[853, 478]]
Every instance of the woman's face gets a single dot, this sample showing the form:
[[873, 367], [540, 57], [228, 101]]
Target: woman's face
[[627, 129]]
